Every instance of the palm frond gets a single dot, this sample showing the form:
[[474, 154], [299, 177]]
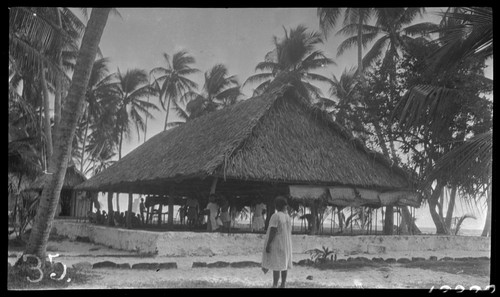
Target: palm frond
[[471, 159]]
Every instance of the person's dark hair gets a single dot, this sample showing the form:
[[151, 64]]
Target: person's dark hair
[[280, 203]]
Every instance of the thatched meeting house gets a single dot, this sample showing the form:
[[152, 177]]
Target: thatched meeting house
[[276, 143]]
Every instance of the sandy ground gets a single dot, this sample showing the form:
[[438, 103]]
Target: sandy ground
[[393, 276]]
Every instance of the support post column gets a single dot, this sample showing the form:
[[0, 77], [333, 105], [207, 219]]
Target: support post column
[[314, 217], [129, 213], [110, 209], [171, 207], [160, 211]]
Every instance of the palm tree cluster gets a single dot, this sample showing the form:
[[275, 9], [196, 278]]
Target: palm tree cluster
[[458, 45], [174, 87], [43, 50]]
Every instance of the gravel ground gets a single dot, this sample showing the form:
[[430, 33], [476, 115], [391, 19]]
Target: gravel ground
[[391, 276]]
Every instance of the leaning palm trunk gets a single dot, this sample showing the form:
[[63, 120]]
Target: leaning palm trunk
[[82, 157], [487, 223], [46, 109], [72, 111], [58, 95]]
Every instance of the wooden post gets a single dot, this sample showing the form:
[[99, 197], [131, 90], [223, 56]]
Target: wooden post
[[314, 215], [160, 211], [118, 203], [110, 209], [171, 208], [214, 185], [129, 214], [389, 221]]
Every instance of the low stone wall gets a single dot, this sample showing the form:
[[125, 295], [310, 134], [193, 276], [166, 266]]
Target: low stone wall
[[206, 244]]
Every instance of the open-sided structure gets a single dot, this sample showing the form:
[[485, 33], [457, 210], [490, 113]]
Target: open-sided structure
[[272, 144]]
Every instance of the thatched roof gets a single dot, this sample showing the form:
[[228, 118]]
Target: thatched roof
[[73, 178], [276, 137]]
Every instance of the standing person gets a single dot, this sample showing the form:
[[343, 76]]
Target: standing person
[[212, 209], [277, 254], [192, 211], [258, 222], [142, 209]]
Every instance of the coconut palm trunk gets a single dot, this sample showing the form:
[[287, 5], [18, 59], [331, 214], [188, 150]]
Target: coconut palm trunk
[[360, 43], [487, 223], [120, 144], [71, 112], [82, 157], [58, 94], [166, 116], [46, 110]]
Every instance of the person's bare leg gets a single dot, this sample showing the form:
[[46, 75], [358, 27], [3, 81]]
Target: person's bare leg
[[276, 278], [283, 278]]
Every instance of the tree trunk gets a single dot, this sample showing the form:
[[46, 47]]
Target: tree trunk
[[72, 110], [84, 141], [433, 201], [341, 219], [451, 207], [57, 98], [441, 203], [389, 221], [360, 43], [409, 222], [120, 145], [166, 116], [487, 223], [46, 110], [146, 124], [381, 139]]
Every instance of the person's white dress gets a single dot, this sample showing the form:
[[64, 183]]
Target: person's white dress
[[280, 257], [258, 220]]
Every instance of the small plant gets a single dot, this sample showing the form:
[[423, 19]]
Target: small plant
[[321, 255], [458, 223]]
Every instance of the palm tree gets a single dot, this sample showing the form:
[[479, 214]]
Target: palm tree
[[294, 53], [354, 19], [131, 87], [173, 80], [39, 40], [347, 101], [465, 32], [71, 112], [394, 31], [100, 91], [219, 90]]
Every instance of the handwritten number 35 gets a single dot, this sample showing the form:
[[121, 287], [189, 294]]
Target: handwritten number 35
[[38, 267]]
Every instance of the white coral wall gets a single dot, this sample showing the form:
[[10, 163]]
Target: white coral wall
[[206, 244]]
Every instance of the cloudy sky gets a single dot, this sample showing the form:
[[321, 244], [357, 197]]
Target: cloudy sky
[[237, 38]]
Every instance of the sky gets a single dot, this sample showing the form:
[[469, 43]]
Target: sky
[[236, 37]]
